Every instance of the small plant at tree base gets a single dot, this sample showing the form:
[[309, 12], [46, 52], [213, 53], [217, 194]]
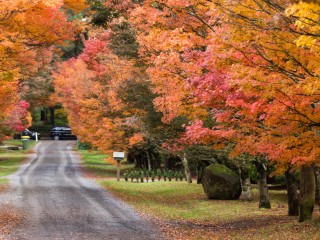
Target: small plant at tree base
[[170, 175], [136, 174], [153, 176], [159, 174], [181, 176], [141, 176], [131, 176], [125, 175], [176, 176], [165, 175], [147, 174]]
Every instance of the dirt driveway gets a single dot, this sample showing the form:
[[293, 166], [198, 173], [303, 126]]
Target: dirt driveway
[[56, 202]]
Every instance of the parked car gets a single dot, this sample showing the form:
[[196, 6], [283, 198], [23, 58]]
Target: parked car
[[59, 133], [29, 133]]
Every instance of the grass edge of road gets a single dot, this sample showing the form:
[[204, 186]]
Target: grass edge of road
[[184, 212], [10, 160]]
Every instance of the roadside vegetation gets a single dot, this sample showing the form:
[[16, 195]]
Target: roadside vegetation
[[94, 163], [184, 212], [10, 160]]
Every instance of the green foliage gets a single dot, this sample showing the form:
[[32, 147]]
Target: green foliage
[[36, 115], [101, 15], [125, 176], [165, 175], [83, 146], [61, 117], [72, 48], [181, 176], [153, 176], [123, 41], [170, 175], [159, 174], [145, 175]]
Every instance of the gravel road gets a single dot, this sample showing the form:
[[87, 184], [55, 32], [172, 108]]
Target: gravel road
[[58, 203]]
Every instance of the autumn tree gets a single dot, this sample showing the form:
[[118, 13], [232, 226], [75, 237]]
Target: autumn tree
[[276, 86], [256, 83], [28, 29], [249, 68]]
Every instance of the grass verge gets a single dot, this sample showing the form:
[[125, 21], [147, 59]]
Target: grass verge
[[10, 160], [184, 212]]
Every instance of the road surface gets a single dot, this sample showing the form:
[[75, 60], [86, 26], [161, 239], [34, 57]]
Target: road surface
[[58, 203]]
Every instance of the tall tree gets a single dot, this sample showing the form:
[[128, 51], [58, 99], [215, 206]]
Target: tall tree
[[28, 30]]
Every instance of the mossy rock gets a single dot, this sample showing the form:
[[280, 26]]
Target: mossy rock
[[13, 148], [220, 182]]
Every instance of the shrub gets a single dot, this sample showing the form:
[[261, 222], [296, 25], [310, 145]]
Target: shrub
[[153, 176], [159, 174], [83, 146], [170, 175], [125, 175]]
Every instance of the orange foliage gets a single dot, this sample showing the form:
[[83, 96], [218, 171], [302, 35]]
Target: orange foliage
[[136, 139], [88, 88], [250, 68], [242, 61], [28, 29], [75, 5]]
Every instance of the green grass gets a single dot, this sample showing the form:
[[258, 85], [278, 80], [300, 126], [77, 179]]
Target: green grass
[[10, 160], [18, 142], [197, 217], [179, 200], [186, 213], [94, 162]]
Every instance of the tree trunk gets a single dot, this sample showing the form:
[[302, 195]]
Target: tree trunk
[[153, 161], [317, 180], [166, 162], [186, 168], [264, 201], [293, 198], [149, 160], [52, 121], [307, 193], [246, 193], [136, 163], [44, 115]]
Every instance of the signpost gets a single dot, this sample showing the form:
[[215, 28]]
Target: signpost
[[118, 156]]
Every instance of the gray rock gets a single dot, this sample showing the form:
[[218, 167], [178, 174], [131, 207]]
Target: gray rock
[[220, 182], [13, 148]]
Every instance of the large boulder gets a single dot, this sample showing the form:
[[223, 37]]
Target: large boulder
[[220, 182]]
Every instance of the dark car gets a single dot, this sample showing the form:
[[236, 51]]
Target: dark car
[[29, 133], [59, 133]]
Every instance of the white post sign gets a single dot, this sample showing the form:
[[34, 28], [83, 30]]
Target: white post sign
[[118, 156]]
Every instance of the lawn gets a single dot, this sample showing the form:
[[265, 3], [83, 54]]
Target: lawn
[[183, 211], [10, 160]]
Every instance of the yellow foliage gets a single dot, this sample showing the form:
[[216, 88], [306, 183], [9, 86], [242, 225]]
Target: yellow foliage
[[307, 15], [76, 5]]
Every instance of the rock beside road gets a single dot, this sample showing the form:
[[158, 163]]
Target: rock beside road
[[220, 182]]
